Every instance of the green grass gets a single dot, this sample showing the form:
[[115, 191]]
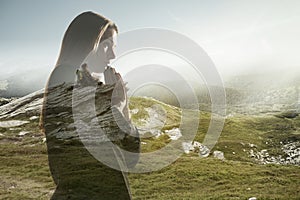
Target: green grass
[[24, 171], [195, 178], [173, 113]]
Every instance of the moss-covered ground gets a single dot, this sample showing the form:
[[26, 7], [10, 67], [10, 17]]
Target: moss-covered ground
[[24, 171]]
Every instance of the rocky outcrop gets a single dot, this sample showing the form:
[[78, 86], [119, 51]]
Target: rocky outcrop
[[87, 109], [12, 123], [291, 155], [196, 147], [85, 134], [4, 101], [154, 122], [26, 106], [23, 110]]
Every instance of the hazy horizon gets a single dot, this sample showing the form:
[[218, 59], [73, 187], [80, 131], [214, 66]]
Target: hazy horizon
[[249, 37]]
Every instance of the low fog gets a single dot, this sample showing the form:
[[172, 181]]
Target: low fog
[[25, 77], [254, 45]]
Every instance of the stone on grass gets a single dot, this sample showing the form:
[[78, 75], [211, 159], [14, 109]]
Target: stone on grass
[[219, 155]]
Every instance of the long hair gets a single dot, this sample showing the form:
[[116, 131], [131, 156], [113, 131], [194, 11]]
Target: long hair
[[81, 37]]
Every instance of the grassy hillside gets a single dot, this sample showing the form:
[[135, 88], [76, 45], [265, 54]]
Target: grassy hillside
[[24, 172]]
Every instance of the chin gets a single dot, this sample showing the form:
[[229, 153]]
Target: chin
[[98, 69]]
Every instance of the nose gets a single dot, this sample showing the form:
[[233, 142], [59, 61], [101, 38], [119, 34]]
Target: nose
[[111, 54]]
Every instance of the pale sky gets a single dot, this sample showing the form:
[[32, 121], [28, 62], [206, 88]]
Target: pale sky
[[238, 35]]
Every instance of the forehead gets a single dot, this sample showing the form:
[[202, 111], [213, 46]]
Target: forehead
[[110, 34]]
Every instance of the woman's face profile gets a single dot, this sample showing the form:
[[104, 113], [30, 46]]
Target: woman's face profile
[[99, 59]]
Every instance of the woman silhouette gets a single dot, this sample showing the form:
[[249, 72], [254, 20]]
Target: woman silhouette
[[75, 171]]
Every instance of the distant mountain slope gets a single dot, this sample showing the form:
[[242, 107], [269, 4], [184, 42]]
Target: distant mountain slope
[[23, 83], [261, 155]]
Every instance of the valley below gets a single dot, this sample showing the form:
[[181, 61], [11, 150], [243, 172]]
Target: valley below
[[257, 154]]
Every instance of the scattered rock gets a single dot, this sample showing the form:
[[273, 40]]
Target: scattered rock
[[252, 145], [174, 133], [292, 150], [154, 123], [204, 151], [33, 117], [134, 111], [12, 187], [196, 147], [219, 155], [187, 147], [291, 155], [22, 133], [14, 129], [12, 123]]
